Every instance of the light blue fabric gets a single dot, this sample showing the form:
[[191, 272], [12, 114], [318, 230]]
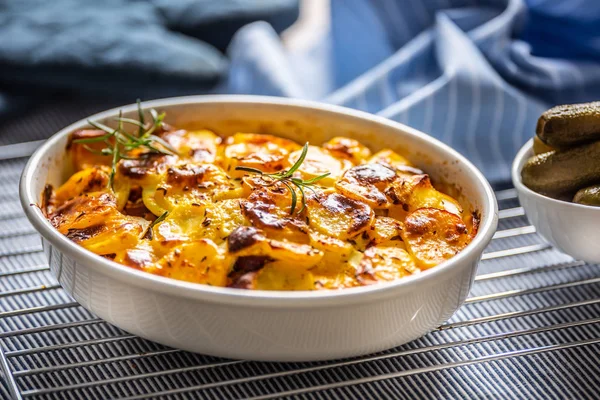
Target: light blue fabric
[[475, 74]]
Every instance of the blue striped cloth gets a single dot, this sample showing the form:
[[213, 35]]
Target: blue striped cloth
[[475, 74]]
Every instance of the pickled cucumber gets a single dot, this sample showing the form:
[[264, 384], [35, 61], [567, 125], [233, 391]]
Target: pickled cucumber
[[540, 147], [570, 125], [559, 172], [589, 196]]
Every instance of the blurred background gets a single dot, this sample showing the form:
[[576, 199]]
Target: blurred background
[[473, 73]]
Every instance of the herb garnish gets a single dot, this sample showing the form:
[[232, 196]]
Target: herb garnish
[[286, 178], [148, 233], [119, 142]]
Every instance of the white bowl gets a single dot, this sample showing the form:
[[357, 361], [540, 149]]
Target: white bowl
[[570, 227], [263, 325]]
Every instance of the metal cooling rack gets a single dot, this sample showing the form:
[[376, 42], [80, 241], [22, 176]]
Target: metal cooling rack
[[530, 329]]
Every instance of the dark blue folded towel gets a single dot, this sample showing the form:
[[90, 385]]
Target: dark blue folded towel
[[148, 48]]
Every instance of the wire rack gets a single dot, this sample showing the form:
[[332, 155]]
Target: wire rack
[[530, 329]]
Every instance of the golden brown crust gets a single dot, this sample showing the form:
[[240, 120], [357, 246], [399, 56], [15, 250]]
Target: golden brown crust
[[355, 216], [242, 238], [367, 183], [374, 218], [348, 148], [432, 235], [144, 166]]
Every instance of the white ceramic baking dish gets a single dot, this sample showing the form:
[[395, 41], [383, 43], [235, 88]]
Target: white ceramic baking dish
[[263, 325]]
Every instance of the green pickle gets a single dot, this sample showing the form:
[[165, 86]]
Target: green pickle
[[570, 125], [589, 196], [559, 172]]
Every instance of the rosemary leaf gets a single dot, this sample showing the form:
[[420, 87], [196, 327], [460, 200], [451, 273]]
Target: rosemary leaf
[[298, 162], [154, 115], [161, 218], [119, 142], [113, 170], [303, 198], [130, 121], [316, 179], [120, 120], [294, 197], [141, 117], [155, 149], [249, 169], [102, 127], [286, 178], [155, 222], [122, 140], [163, 143]]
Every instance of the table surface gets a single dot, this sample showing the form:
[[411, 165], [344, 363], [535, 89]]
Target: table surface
[[529, 329]]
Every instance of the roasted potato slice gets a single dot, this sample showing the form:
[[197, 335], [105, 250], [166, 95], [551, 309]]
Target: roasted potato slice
[[197, 146], [94, 179], [83, 211], [200, 261], [390, 159], [295, 255], [81, 157], [145, 170], [110, 238], [340, 280], [265, 152], [141, 256], [182, 224], [268, 208], [427, 196], [338, 216], [335, 253], [113, 236], [249, 241], [432, 236], [214, 221], [221, 219], [367, 183], [319, 162], [347, 148], [275, 276], [244, 271], [411, 192], [385, 263], [383, 230], [93, 221], [188, 185], [330, 244]]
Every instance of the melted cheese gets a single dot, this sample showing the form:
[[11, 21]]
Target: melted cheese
[[375, 218]]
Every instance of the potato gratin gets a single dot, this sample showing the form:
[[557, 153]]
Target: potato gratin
[[253, 211]]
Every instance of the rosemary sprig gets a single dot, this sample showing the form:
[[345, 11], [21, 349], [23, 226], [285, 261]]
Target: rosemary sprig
[[119, 143], [287, 179], [161, 218]]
